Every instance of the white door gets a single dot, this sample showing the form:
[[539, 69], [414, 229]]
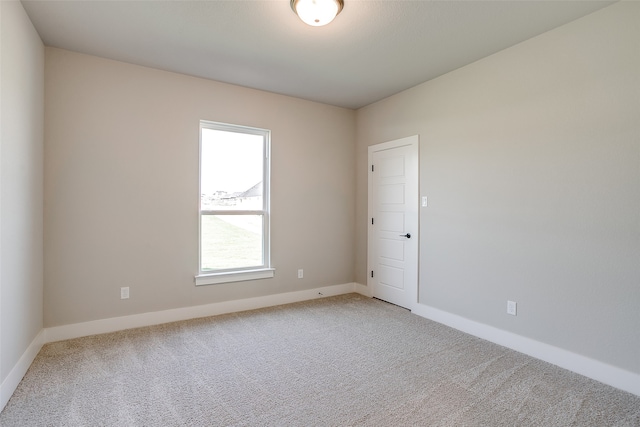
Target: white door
[[393, 221]]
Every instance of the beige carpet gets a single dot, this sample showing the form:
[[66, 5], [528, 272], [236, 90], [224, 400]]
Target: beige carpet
[[339, 361]]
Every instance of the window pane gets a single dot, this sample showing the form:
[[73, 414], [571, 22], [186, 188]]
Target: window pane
[[234, 184], [231, 241], [232, 170]]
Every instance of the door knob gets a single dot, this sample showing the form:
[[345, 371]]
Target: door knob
[[408, 235]]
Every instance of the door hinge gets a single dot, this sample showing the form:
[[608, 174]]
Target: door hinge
[[371, 221], [372, 168], [371, 273]]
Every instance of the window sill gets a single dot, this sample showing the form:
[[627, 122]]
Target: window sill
[[234, 276]]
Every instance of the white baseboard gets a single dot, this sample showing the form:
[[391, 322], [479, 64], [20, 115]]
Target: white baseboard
[[76, 330], [363, 289], [10, 383], [599, 371]]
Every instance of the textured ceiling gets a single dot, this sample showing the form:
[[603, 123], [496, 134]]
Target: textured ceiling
[[372, 50]]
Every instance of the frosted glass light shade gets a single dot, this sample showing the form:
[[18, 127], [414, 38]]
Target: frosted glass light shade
[[317, 12]]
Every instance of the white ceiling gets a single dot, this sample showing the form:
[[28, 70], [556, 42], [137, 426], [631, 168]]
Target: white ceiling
[[372, 50]]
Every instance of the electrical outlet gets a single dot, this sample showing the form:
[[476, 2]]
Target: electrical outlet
[[124, 293], [511, 307], [300, 273]]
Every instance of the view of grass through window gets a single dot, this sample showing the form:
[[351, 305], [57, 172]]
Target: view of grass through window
[[232, 244]]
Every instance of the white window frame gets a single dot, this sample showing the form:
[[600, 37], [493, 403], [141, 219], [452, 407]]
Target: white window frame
[[264, 271]]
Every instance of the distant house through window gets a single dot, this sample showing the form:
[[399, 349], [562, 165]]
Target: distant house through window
[[234, 203]]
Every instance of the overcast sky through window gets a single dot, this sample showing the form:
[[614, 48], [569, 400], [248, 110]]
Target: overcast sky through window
[[231, 161]]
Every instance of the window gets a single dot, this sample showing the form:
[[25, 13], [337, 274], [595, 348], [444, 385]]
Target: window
[[234, 203]]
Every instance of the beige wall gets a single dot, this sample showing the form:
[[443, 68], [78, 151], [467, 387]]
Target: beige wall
[[21, 124], [531, 162], [121, 188]]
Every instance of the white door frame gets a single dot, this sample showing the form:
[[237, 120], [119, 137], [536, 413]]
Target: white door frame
[[414, 143]]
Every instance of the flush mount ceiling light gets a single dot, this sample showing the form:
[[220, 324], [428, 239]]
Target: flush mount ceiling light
[[317, 12]]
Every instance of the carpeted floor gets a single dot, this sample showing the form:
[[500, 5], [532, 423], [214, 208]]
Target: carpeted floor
[[339, 361]]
